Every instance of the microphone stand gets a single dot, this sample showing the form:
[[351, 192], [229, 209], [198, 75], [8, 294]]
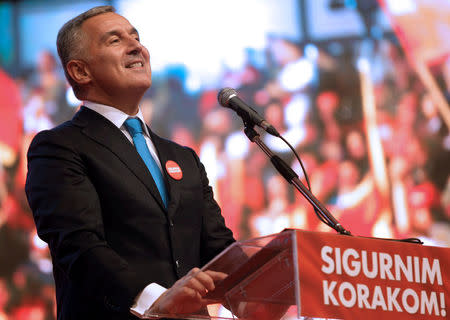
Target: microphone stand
[[293, 179]]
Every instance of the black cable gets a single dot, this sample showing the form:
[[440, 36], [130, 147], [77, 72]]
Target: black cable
[[317, 212]]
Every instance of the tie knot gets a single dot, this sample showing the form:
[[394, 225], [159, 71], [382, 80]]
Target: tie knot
[[133, 126]]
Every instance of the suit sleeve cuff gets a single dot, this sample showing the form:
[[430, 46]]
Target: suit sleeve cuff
[[146, 298]]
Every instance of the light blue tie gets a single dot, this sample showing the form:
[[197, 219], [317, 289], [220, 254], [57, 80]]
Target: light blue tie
[[134, 127]]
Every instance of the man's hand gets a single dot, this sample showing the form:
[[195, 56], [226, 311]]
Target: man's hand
[[186, 295]]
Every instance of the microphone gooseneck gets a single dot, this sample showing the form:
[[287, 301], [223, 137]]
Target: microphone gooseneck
[[228, 98]]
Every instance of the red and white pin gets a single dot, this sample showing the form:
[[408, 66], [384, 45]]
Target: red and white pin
[[174, 170]]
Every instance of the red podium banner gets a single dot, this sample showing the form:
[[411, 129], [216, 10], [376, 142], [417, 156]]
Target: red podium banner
[[298, 273], [359, 278]]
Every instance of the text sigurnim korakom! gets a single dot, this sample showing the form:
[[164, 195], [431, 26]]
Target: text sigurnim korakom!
[[388, 267]]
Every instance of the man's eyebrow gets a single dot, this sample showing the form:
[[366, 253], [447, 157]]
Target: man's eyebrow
[[134, 30], [108, 34]]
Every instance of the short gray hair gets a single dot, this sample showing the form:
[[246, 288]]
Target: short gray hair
[[70, 36]]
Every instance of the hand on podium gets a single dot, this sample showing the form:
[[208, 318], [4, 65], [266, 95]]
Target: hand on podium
[[186, 295]]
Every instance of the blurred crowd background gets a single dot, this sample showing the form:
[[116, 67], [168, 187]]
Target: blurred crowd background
[[340, 80]]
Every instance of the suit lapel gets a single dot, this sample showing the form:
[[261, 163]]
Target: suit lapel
[[100, 129], [166, 153]]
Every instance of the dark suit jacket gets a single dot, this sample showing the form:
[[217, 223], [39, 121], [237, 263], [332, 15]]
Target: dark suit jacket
[[95, 203]]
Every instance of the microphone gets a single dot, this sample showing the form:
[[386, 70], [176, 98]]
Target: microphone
[[228, 98]]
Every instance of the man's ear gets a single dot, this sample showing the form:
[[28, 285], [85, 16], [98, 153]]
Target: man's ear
[[79, 71]]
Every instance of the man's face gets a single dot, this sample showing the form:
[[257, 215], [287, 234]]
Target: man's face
[[116, 60]]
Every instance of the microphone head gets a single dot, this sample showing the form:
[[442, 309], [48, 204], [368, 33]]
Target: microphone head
[[225, 95]]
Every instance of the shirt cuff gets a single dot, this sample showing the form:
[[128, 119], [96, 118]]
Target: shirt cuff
[[146, 298]]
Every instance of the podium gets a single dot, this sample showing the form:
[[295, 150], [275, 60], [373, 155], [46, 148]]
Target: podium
[[299, 273]]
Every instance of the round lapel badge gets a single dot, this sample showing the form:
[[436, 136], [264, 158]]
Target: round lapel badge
[[174, 170]]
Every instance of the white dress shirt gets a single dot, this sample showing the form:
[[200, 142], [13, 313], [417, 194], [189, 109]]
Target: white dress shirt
[[153, 291]]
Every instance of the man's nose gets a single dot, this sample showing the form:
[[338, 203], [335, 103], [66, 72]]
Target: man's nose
[[135, 47]]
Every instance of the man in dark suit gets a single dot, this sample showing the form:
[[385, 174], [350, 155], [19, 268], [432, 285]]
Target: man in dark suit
[[124, 239]]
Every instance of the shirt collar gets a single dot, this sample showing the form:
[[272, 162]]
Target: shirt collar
[[116, 116]]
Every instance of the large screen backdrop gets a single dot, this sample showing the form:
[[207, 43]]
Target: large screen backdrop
[[331, 76]]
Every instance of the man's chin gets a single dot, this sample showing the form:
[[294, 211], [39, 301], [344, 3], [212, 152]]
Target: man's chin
[[142, 85]]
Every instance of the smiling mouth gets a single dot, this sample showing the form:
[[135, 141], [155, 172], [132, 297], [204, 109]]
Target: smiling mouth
[[135, 65]]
